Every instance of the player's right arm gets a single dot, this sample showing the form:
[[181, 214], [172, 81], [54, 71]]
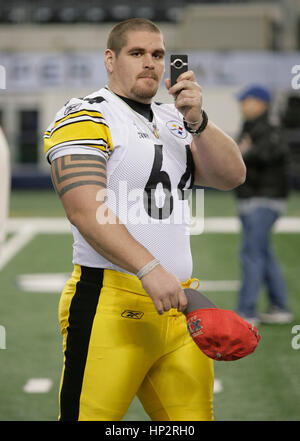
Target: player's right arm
[[80, 181]]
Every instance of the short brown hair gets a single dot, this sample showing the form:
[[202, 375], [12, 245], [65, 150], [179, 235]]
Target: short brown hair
[[117, 36]]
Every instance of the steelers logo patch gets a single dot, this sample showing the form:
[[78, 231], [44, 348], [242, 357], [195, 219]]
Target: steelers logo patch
[[177, 129]]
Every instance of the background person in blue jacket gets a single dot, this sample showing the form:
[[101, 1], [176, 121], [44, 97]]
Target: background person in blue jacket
[[260, 201]]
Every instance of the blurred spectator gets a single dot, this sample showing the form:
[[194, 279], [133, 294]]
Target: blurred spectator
[[290, 121], [260, 201]]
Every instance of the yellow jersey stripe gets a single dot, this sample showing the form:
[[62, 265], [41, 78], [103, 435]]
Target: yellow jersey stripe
[[74, 123], [79, 130], [92, 113], [75, 142], [80, 133]]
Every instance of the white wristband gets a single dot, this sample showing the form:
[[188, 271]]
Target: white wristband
[[147, 268]]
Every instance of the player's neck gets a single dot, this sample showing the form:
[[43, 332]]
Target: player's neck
[[143, 109]]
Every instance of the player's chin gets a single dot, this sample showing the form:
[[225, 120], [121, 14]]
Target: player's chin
[[146, 92]]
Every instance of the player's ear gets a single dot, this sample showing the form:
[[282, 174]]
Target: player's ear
[[109, 58]]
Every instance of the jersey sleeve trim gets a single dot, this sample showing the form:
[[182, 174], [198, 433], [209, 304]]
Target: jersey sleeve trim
[[85, 128], [76, 114]]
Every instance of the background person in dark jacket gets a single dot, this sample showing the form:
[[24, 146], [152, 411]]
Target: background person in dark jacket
[[260, 201]]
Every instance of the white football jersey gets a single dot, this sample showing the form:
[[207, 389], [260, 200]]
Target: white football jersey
[[148, 177]]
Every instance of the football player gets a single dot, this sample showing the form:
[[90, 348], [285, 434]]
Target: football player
[[122, 166]]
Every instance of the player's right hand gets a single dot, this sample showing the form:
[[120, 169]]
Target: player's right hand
[[165, 290]]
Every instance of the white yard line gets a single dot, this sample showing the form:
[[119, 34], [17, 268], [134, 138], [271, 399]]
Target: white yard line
[[38, 385], [54, 283], [15, 244], [211, 225], [25, 229], [219, 285], [218, 386], [42, 283], [232, 225], [56, 225]]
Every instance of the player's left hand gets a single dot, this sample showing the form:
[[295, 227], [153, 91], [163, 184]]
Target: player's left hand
[[188, 97]]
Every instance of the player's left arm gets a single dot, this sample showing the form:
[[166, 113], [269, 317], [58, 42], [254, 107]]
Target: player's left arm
[[217, 158]]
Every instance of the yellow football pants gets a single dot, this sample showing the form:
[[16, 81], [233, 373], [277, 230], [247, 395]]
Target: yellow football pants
[[117, 346]]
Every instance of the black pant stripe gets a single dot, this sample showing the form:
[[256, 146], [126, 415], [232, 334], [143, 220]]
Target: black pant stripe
[[81, 316]]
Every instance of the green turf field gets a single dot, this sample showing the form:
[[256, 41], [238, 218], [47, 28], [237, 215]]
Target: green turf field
[[263, 386]]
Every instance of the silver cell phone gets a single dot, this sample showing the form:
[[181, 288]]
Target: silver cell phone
[[178, 65]]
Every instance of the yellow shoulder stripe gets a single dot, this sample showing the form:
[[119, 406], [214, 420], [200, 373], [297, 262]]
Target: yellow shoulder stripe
[[80, 130], [92, 113], [81, 133]]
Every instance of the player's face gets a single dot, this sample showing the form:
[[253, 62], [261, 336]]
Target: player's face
[[137, 71]]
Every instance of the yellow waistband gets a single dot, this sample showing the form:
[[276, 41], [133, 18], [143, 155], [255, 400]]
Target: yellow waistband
[[129, 282]]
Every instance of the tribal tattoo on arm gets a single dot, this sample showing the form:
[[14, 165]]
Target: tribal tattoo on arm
[[77, 170]]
